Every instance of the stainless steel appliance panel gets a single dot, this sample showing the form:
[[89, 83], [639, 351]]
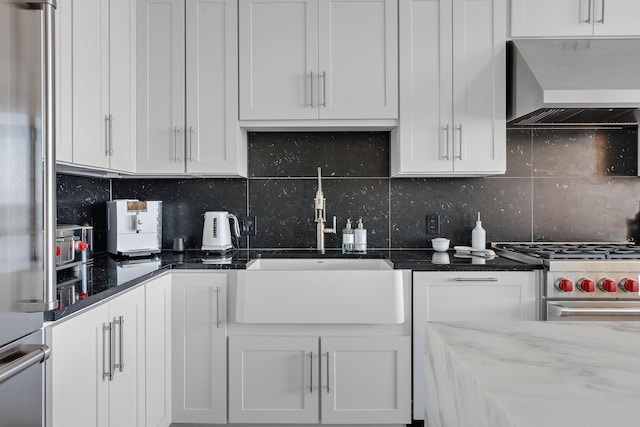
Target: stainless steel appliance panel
[[22, 395], [27, 204], [21, 204]]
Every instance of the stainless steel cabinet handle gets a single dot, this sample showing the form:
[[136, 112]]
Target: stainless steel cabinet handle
[[176, 133], [459, 156], [588, 21], [110, 135], [324, 88], [106, 332], [328, 389], [311, 372], [601, 20], [106, 135], [120, 322], [190, 143], [446, 129], [218, 307], [32, 354], [311, 89], [476, 279], [112, 350]]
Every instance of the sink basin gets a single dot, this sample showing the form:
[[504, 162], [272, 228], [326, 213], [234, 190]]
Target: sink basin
[[344, 291]]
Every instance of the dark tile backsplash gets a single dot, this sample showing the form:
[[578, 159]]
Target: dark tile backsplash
[[571, 185]]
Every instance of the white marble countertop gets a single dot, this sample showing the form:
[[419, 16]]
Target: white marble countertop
[[533, 374]]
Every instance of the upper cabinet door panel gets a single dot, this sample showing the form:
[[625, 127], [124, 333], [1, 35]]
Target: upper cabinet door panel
[[212, 85], [616, 18], [122, 94], [161, 78], [427, 77], [358, 70], [278, 54], [479, 114], [90, 93], [539, 18]]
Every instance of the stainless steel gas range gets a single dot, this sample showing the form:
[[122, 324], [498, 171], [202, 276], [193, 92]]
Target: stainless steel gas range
[[583, 281]]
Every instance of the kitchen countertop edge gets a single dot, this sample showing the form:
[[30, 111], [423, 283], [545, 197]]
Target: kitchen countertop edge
[[105, 267]]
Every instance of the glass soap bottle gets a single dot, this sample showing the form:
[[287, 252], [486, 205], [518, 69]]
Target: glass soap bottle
[[360, 243], [348, 237]]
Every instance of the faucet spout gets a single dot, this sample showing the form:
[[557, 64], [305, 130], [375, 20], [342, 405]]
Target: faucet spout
[[320, 203]]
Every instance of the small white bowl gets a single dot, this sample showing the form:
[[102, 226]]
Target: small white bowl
[[440, 258], [440, 244]]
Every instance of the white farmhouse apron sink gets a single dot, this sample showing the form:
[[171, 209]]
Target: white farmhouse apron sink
[[346, 291]]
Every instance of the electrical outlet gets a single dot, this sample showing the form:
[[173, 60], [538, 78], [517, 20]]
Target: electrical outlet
[[433, 224], [248, 226]]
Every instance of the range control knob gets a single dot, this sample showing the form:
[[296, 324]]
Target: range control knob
[[629, 285], [565, 285], [81, 246], [608, 285], [586, 285]]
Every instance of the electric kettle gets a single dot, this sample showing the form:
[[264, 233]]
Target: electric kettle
[[216, 233]]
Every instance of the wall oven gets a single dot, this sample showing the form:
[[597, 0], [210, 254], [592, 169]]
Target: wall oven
[[584, 281]]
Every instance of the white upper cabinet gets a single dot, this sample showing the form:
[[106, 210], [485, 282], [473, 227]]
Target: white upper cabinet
[[452, 89], [310, 59], [97, 89], [575, 18], [187, 92]]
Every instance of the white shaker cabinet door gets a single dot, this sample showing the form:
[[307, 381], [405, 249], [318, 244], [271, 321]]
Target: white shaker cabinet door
[[127, 390], [539, 18], [616, 18], [212, 132], [365, 380], [161, 86], [426, 79], [358, 65], [74, 372], [122, 85], [158, 351], [90, 83], [273, 379], [199, 353], [478, 133], [278, 59]]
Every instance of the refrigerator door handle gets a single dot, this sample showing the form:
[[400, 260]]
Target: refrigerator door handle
[[49, 301], [12, 365]]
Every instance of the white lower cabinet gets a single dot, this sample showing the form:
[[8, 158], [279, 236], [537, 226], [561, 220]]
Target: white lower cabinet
[[328, 380], [199, 356], [96, 373], [467, 296], [158, 350]]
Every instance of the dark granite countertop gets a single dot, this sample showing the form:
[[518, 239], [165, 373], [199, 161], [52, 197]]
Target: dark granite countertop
[[107, 275]]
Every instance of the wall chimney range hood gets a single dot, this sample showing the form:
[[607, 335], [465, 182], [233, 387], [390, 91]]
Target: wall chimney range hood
[[576, 82]]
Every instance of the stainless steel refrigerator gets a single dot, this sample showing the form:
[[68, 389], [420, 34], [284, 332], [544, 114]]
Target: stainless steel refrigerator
[[27, 205]]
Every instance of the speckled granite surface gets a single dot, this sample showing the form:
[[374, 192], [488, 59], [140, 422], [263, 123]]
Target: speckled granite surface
[[107, 275]]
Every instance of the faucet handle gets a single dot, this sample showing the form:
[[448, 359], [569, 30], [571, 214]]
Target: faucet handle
[[334, 230]]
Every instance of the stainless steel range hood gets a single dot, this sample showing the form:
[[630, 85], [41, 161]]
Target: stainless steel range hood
[[574, 82]]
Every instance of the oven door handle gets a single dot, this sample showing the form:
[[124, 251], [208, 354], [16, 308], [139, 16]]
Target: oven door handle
[[16, 361], [558, 310]]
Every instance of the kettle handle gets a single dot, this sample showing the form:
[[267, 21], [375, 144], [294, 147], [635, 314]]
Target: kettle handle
[[235, 223]]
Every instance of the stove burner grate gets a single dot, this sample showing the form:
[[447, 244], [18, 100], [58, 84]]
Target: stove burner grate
[[577, 251]]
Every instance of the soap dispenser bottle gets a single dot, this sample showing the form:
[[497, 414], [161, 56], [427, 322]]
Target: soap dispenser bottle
[[348, 237], [360, 243], [478, 236]]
